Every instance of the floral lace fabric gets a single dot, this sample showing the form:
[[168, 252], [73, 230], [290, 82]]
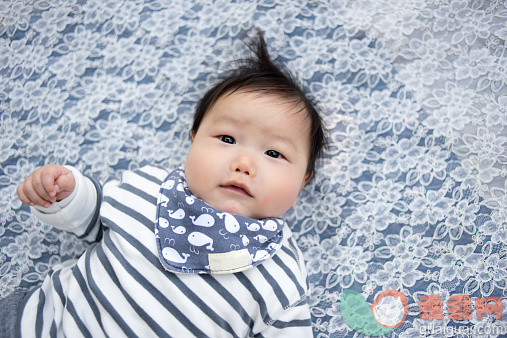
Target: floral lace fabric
[[411, 195]]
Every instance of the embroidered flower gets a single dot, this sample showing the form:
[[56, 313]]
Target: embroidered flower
[[482, 168], [402, 155], [496, 227], [125, 16], [371, 217], [14, 16], [336, 323], [53, 21], [81, 41], [462, 218], [396, 22], [324, 257], [419, 74], [25, 248], [70, 66], [279, 20], [474, 64], [491, 272], [430, 206], [375, 106], [397, 274], [484, 142], [379, 189], [453, 108], [427, 48], [431, 165], [353, 266], [25, 59], [461, 262], [406, 245], [477, 25], [450, 17], [9, 129], [145, 63], [326, 213]]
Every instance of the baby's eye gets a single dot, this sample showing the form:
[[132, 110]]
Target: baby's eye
[[227, 139], [274, 153]]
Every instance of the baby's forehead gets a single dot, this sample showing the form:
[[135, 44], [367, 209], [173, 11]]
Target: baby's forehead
[[276, 111], [285, 106]]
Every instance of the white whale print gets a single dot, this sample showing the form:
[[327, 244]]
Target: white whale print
[[203, 220], [245, 240], [180, 230], [163, 222], [269, 225], [261, 239], [190, 200], [163, 200], [253, 227], [200, 239], [172, 255], [231, 224], [178, 214]]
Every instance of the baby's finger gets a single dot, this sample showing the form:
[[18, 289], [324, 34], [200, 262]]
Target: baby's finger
[[40, 189], [33, 195], [22, 196], [48, 182]]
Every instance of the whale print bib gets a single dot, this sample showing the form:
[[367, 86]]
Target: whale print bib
[[194, 237]]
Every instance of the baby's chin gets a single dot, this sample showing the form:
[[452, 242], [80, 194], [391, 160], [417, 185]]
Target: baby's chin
[[233, 207]]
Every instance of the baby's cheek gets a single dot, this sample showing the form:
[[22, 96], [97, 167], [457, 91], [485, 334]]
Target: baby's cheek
[[265, 202], [279, 201]]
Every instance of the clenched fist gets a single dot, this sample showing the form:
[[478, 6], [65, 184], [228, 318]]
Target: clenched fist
[[46, 185]]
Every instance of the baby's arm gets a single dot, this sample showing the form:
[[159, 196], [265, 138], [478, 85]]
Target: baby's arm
[[63, 197]]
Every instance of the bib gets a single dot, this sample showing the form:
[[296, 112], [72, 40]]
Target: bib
[[194, 237]]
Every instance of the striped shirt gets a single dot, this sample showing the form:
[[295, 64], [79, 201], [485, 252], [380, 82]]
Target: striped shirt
[[118, 287]]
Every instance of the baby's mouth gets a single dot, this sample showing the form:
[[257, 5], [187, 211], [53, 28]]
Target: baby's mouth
[[238, 188]]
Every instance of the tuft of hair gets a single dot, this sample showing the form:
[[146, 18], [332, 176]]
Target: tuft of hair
[[258, 73]]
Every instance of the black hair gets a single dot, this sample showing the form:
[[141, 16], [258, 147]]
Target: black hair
[[259, 74]]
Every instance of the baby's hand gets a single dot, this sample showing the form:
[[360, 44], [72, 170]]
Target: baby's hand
[[46, 185]]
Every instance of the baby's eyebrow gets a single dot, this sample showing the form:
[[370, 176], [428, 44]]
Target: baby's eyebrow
[[283, 139], [227, 120], [266, 131]]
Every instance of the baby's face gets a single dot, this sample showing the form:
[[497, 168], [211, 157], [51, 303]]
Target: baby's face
[[249, 155]]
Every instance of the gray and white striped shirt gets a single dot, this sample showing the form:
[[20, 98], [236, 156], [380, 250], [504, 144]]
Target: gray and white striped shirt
[[118, 287]]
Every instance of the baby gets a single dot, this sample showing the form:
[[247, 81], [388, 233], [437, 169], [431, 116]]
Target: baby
[[198, 251]]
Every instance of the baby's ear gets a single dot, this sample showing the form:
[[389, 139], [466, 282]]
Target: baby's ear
[[308, 177]]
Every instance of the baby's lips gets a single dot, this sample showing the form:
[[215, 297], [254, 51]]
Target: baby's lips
[[240, 188]]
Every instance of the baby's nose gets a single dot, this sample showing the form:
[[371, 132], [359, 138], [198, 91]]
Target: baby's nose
[[244, 165]]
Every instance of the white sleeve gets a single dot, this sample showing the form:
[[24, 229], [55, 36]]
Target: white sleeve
[[293, 322], [74, 213]]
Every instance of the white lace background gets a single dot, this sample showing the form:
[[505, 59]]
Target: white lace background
[[412, 194]]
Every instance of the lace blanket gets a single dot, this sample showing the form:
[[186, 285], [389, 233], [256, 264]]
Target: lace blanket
[[410, 200]]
